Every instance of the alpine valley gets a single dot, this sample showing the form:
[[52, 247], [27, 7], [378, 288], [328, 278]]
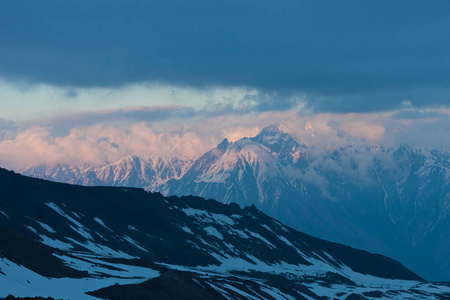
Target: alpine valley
[[73, 242], [393, 201]]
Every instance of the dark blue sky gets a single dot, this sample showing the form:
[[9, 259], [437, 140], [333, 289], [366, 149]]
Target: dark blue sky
[[347, 56]]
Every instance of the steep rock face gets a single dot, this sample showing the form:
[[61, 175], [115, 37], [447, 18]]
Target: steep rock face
[[252, 170], [128, 242], [417, 196]]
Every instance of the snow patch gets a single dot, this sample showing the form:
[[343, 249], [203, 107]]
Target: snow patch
[[286, 241], [99, 221], [63, 214], [33, 230], [267, 227], [222, 219], [258, 236], [238, 232], [101, 250], [192, 212], [208, 217], [224, 293], [134, 243], [130, 227], [55, 243], [76, 215], [213, 231], [82, 231], [187, 229], [46, 227]]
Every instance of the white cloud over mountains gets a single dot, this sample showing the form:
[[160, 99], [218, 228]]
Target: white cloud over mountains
[[96, 144], [100, 143], [47, 124]]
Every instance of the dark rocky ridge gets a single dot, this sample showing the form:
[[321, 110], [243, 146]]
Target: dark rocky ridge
[[23, 200], [188, 240]]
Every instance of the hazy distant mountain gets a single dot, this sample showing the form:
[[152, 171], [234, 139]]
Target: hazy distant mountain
[[65, 241], [392, 201], [130, 171]]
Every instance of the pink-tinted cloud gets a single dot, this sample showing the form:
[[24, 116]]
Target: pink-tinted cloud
[[97, 145], [101, 142]]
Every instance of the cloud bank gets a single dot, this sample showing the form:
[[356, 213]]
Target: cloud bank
[[346, 57], [88, 142], [97, 145]]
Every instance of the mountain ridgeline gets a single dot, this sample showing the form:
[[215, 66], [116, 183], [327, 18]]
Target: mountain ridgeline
[[130, 171], [68, 241], [391, 201]]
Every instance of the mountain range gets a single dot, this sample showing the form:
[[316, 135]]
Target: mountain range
[[393, 201], [73, 242], [130, 171]]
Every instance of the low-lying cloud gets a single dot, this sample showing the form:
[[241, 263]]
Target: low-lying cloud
[[96, 145], [89, 139]]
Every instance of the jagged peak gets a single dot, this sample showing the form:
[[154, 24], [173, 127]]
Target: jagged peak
[[276, 136], [271, 132], [130, 157], [224, 144], [407, 149], [274, 128], [405, 146]]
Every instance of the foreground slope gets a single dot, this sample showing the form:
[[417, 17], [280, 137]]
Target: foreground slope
[[62, 240]]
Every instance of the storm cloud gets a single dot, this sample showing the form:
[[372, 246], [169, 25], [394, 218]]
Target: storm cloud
[[343, 57]]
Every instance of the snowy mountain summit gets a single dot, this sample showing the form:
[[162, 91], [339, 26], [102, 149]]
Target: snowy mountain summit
[[250, 169]]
